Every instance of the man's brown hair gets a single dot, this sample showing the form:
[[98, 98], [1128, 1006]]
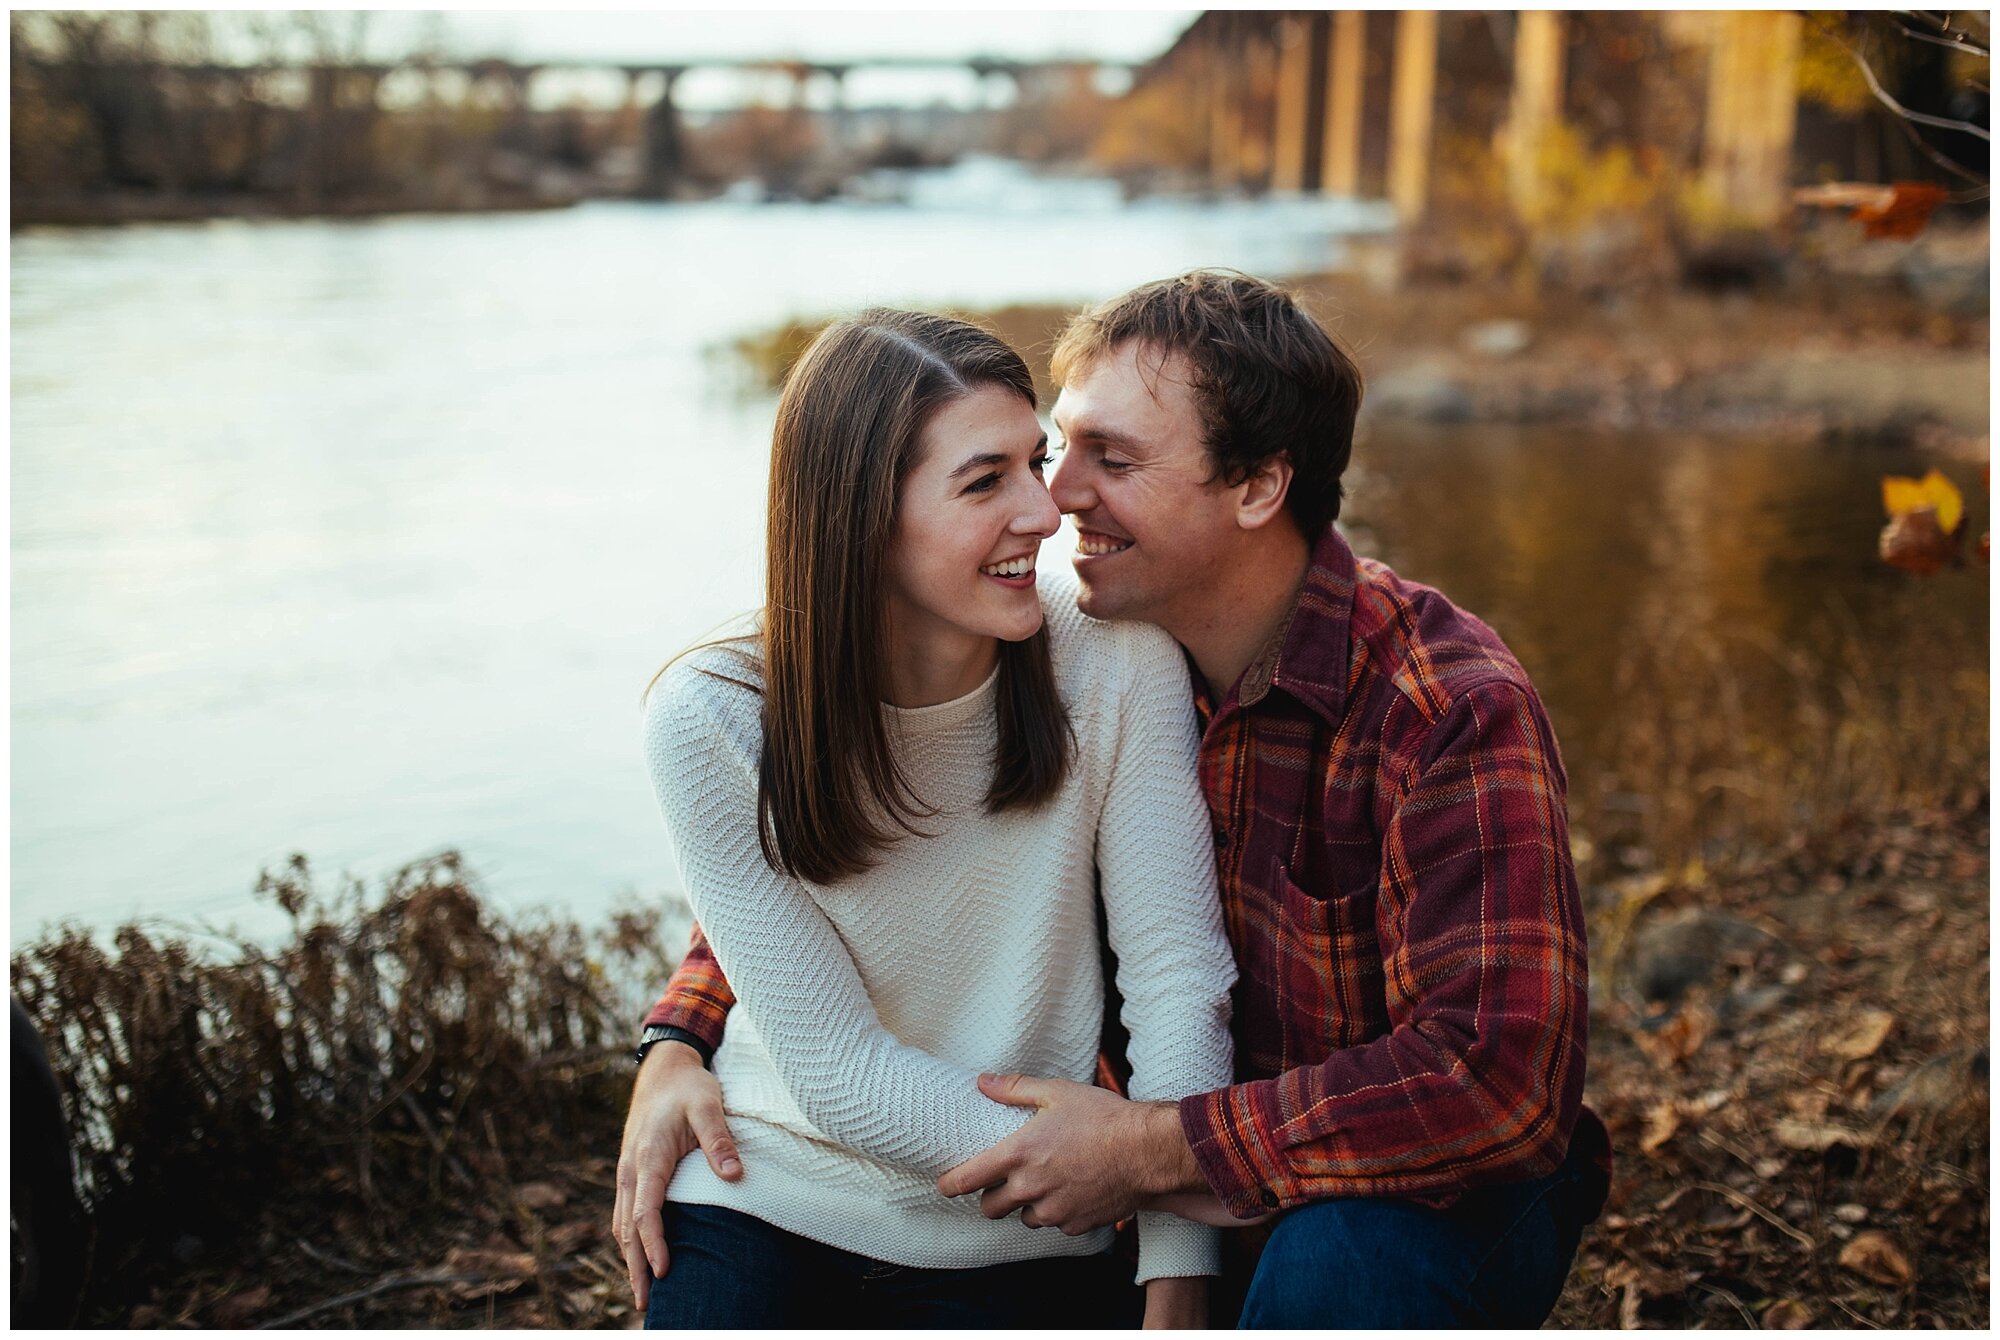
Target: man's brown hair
[[1267, 378], [830, 795]]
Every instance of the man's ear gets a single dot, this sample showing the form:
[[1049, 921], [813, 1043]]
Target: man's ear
[[1263, 497]]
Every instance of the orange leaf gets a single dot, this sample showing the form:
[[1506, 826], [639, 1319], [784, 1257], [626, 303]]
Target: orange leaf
[[1906, 212], [1915, 543]]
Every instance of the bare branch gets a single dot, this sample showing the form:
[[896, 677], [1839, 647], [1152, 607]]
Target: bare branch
[[1882, 95], [1913, 34], [1937, 156]]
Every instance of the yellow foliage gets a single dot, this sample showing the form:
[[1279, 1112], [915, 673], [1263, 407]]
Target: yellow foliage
[[1158, 125], [1902, 495], [1827, 73], [1581, 186]]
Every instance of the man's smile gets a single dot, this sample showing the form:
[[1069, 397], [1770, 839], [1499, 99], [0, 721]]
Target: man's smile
[[1094, 544]]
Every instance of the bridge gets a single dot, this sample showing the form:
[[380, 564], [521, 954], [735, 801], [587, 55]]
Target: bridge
[[648, 110], [1348, 103]]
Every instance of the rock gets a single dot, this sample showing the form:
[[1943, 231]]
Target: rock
[[1497, 339], [1954, 1082], [1695, 946], [1949, 271], [1423, 391]]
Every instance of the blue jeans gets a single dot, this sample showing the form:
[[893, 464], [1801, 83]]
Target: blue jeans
[[729, 1270], [1498, 1257]]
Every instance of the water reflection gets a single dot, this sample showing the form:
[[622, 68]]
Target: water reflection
[[361, 539], [1714, 559]]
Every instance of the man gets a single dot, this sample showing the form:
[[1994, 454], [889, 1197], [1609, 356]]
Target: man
[[1391, 841]]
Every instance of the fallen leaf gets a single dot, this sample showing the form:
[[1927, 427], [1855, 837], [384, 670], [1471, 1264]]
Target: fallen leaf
[[1864, 1037], [1905, 213], [1924, 517], [237, 1309], [1787, 1314], [541, 1195], [1680, 1038], [1915, 542], [486, 1261], [1873, 1255], [1661, 1123], [1818, 1136]]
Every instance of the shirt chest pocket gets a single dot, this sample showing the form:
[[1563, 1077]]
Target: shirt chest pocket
[[1330, 964]]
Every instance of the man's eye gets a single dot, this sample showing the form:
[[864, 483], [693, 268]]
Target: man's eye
[[1115, 466]]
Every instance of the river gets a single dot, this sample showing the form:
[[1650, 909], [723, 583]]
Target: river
[[361, 538]]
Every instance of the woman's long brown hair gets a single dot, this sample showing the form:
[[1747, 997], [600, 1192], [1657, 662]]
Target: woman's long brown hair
[[830, 796]]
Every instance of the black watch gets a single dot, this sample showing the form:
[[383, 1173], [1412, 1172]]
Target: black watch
[[668, 1033]]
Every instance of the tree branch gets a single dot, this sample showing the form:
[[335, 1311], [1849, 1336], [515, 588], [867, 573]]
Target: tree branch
[[1882, 95], [1958, 44]]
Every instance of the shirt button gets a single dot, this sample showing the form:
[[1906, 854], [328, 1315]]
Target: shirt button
[[1270, 1198], [1221, 837]]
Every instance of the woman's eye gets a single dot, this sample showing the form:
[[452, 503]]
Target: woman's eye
[[984, 484], [1038, 463]]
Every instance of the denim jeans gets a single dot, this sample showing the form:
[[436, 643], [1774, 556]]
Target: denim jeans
[[1497, 1257], [729, 1270]]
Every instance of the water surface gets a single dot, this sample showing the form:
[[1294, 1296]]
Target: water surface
[[361, 539]]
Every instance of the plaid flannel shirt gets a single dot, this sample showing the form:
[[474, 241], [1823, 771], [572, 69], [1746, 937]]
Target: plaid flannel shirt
[[1390, 827]]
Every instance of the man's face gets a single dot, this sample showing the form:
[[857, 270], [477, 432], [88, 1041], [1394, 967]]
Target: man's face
[[1135, 478]]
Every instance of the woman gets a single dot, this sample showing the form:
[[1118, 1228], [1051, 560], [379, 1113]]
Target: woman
[[893, 806]]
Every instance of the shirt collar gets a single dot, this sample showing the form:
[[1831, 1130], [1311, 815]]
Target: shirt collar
[[1307, 653], [1312, 647]]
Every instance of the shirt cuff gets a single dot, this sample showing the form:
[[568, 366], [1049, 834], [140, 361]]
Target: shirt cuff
[[1171, 1247], [1228, 1139]]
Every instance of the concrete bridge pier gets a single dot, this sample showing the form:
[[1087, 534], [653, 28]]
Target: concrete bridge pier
[[1340, 161], [665, 155], [1535, 110], [1412, 93], [1752, 117]]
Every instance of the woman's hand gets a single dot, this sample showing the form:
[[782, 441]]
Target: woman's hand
[[676, 1106], [1177, 1304]]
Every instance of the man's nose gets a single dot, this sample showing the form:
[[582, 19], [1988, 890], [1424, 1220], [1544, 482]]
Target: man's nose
[[1068, 485]]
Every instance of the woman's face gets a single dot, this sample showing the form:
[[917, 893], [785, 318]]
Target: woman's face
[[973, 516]]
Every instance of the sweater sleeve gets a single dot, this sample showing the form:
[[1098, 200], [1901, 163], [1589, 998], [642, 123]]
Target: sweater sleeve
[[1156, 862], [854, 1081]]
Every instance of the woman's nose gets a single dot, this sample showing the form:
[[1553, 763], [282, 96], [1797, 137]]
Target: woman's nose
[[1039, 515]]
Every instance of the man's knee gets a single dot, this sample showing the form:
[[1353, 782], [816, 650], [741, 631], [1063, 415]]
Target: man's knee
[[1360, 1262]]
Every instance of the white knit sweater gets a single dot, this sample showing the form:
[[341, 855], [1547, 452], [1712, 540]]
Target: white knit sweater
[[866, 1008]]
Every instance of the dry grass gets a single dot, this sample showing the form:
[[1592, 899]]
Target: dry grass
[[397, 1055]]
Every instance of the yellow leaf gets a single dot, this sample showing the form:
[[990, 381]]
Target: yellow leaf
[[1864, 1037], [1661, 1123], [1874, 1255], [1902, 495]]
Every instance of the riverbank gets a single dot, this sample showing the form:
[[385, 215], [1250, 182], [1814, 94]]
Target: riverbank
[[116, 210], [1791, 1055], [1887, 342]]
